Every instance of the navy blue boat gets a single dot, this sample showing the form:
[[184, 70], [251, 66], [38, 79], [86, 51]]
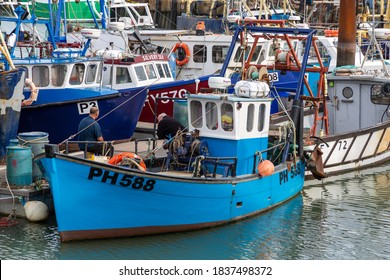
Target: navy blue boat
[[11, 96]]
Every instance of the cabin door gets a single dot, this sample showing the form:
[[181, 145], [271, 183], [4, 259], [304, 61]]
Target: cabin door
[[347, 107]]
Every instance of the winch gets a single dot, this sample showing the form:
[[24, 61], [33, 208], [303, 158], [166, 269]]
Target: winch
[[183, 149]]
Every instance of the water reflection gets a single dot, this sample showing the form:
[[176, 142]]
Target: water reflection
[[29, 241], [346, 217], [255, 238], [350, 216]]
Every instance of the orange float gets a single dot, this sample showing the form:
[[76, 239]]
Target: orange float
[[186, 50], [265, 168], [118, 158]]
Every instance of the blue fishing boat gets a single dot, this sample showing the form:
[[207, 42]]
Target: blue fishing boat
[[69, 83], [216, 172]]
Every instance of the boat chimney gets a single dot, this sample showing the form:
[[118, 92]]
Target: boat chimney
[[346, 47]]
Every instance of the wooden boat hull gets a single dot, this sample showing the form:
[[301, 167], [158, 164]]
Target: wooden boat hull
[[356, 150]]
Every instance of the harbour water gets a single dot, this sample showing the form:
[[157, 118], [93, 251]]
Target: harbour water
[[341, 218]]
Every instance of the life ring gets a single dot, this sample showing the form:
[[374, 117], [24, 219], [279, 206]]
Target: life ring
[[187, 51], [33, 95], [134, 158], [331, 32]]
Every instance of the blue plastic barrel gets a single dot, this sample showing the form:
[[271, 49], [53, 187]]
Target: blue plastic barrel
[[36, 140], [13, 142], [19, 165]]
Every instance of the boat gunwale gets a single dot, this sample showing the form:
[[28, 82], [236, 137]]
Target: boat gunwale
[[109, 95], [376, 127], [160, 175]]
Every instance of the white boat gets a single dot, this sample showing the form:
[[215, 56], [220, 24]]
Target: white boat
[[359, 122], [357, 109]]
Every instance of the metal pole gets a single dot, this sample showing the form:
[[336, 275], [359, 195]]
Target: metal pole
[[346, 47]]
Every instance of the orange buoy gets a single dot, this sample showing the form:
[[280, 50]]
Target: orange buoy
[[265, 168]]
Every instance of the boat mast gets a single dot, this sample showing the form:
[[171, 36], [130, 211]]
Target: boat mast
[[346, 48], [103, 11], [374, 45]]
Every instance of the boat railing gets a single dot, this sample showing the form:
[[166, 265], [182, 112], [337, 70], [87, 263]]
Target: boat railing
[[107, 147], [150, 141], [258, 156], [229, 165]]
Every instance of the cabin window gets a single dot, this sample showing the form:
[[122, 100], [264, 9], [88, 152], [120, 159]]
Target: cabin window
[[261, 57], [99, 72], [116, 13], [250, 117], [92, 71], [276, 45], [140, 72], [211, 115], [294, 46], [106, 75], [227, 117], [312, 54], [77, 74], [239, 53], [150, 72], [167, 71], [256, 53], [40, 76], [160, 70], [200, 53], [261, 120], [58, 73], [284, 46], [196, 114], [324, 53], [219, 53], [139, 10], [122, 75], [380, 94]]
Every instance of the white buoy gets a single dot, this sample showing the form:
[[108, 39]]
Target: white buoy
[[36, 211]]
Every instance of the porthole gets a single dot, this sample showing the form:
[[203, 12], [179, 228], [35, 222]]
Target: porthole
[[347, 92]]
